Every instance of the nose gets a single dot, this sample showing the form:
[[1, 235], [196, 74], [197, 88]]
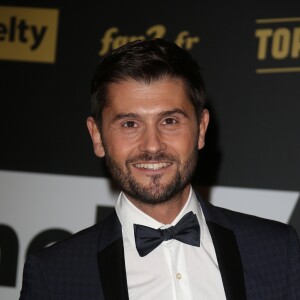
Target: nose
[[152, 141]]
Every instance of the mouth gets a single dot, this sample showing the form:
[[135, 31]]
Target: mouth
[[152, 166]]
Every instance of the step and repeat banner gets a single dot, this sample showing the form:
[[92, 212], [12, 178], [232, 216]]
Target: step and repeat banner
[[52, 185]]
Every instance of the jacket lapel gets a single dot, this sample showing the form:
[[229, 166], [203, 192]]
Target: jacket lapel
[[229, 261], [111, 261], [227, 252]]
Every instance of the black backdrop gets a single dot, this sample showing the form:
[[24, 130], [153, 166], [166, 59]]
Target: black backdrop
[[253, 140]]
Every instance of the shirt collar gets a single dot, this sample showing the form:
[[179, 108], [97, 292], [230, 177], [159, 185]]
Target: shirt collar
[[129, 214]]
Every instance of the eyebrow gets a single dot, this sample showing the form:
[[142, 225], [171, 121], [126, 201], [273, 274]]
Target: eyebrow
[[138, 117], [126, 116], [172, 112]]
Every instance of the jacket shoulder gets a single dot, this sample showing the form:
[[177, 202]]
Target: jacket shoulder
[[270, 254], [246, 222], [83, 243], [69, 267]]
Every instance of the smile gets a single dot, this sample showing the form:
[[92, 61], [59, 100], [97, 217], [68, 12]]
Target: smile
[[152, 166]]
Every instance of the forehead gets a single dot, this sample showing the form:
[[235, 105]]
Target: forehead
[[166, 93]]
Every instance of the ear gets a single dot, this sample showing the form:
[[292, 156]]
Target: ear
[[202, 128], [96, 137]]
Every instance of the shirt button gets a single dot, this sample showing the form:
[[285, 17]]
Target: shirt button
[[178, 276]]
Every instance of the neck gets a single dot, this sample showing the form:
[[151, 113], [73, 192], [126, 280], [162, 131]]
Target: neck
[[164, 212]]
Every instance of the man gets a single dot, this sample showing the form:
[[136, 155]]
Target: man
[[163, 241]]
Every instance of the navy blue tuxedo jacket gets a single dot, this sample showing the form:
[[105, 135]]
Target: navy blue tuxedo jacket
[[258, 259]]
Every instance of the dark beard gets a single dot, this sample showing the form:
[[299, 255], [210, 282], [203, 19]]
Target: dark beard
[[155, 193]]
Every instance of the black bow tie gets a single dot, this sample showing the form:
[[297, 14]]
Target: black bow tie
[[187, 231]]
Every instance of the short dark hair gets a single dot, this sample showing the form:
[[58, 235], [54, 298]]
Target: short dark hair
[[147, 61]]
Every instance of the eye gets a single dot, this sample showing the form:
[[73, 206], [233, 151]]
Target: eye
[[169, 121], [130, 124]]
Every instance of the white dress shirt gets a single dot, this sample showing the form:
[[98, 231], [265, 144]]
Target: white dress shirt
[[173, 270]]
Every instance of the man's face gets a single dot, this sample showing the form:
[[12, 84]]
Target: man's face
[[150, 137]]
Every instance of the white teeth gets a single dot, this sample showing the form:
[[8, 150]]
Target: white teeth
[[153, 166]]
